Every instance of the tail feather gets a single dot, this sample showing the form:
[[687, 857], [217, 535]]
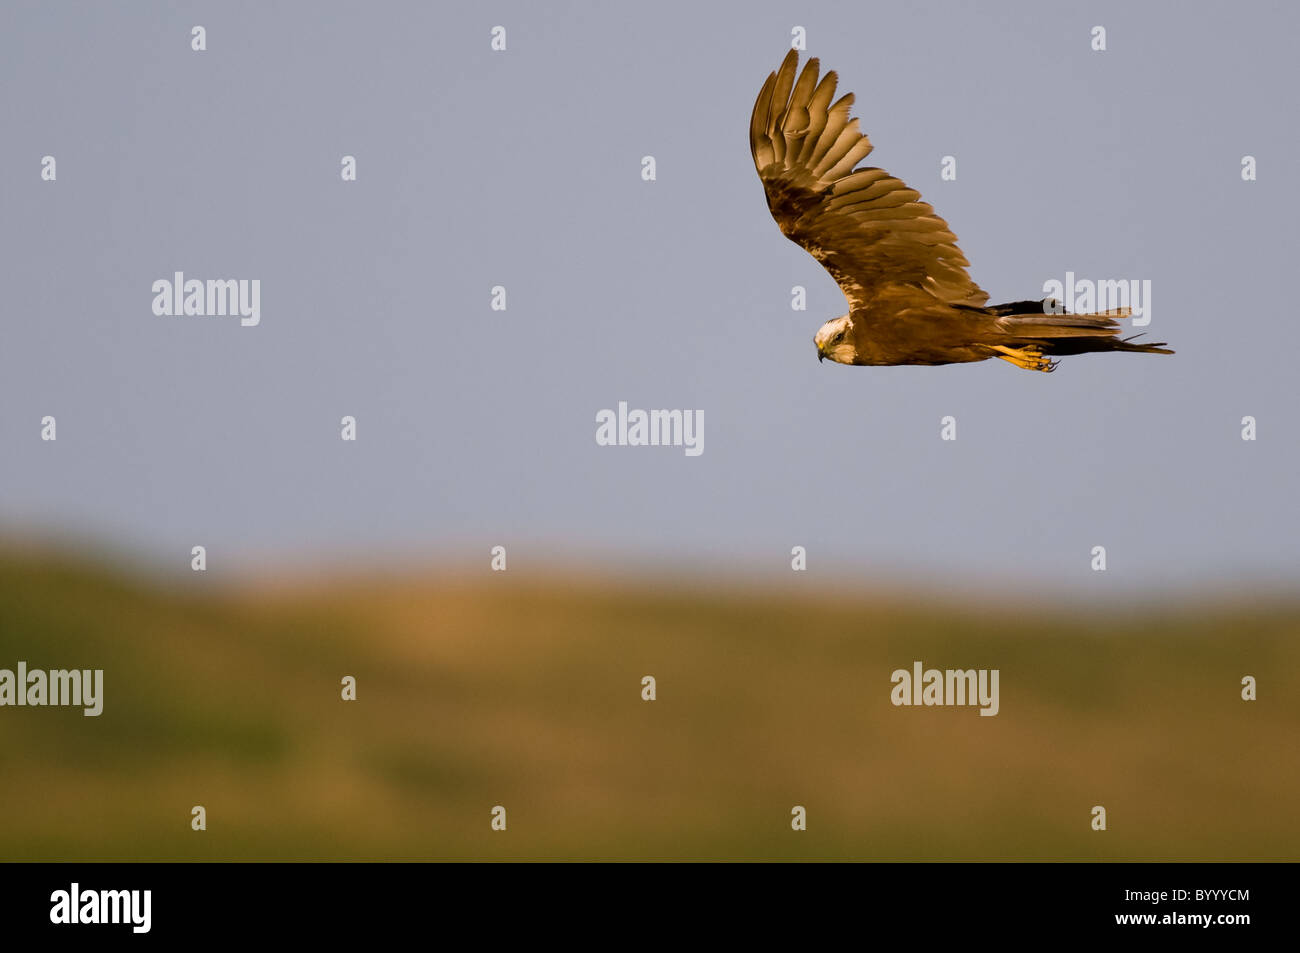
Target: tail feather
[[1040, 323]]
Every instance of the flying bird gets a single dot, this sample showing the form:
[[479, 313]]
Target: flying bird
[[911, 300]]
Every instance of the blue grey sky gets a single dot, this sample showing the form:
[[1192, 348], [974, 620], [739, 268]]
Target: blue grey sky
[[523, 169]]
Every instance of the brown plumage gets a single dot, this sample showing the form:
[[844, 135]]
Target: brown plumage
[[911, 300]]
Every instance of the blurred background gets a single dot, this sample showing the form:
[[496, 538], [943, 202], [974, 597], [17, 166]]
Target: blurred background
[[476, 427], [484, 691]]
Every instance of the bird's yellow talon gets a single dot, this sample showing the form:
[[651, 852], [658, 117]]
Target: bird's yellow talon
[[1030, 358]]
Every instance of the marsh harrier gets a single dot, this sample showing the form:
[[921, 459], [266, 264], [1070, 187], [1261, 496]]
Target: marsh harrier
[[911, 300]]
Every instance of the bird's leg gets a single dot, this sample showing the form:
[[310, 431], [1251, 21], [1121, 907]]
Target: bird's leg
[[1030, 358]]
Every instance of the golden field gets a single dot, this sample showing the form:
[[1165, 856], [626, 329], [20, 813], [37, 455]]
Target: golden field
[[483, 691]]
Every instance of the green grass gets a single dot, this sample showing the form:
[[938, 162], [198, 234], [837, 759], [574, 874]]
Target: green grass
[[474, 693]]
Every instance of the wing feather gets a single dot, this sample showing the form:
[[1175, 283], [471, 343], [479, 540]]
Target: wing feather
[[866, 227], [817, 115], [855, 155], [758, 138], [780, 99], [837, 117], [797, 119], [849, 137]]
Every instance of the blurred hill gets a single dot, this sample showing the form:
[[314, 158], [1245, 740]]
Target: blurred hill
[[474, 692]]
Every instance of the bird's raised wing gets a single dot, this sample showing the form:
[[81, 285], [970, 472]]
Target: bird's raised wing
[[867, 228]]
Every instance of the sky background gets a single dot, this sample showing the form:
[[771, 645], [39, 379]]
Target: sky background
[[522, 169]]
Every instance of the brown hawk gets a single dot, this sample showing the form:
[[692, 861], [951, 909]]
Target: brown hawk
[[911, 300]]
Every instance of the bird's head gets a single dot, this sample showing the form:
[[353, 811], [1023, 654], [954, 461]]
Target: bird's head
[[833, 340]]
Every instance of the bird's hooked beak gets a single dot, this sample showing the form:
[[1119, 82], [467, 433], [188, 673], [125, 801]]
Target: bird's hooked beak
[[821, 355]]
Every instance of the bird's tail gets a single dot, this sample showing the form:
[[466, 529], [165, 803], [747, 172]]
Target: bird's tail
[[1038, 323]]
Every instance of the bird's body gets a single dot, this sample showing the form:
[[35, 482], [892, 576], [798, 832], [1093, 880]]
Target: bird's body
[[910, 296]]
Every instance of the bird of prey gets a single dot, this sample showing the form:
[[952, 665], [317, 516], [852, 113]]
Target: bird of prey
[[911, 300]]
